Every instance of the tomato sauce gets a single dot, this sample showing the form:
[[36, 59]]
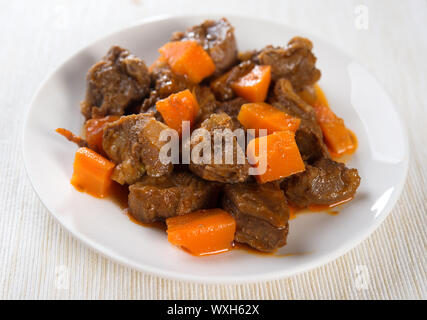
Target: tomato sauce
[[294, 211]]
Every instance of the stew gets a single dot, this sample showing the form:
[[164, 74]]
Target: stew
[[221, 147]]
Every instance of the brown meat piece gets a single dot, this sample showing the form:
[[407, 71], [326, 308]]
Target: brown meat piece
[[324, 183], [232, 109], [132, 142], [221, 86], [222, 172], [155, 199], [248, 55], [296, 62], [113, 84], [261, 214], [207, 102], [217, 38], [309, 137], [165, 83]]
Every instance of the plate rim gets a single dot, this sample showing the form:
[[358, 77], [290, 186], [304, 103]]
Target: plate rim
[[235, 279]]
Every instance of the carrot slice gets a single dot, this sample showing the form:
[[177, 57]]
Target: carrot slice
[[282, 156], [254, 85], [264, 116], [188, 58], [337, 137], [202, 232], [178, 107], [92, 172], [94, 130]]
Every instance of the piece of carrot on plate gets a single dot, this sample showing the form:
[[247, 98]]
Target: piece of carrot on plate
[[94, 131], [254, 85], [264, 116], [92, 172], [202, 232], [281, 157], [178, 107], [188, 58], [337, 137]]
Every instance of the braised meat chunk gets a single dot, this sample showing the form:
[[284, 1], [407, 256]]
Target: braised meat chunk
[[296, 62], [214, 170], [261, 214], [232, 109], [155, 199], [217, 38], [325, 182], [165, 83], [309, 137], [221, 86], [132, 142], [113, 84], [207, 102]]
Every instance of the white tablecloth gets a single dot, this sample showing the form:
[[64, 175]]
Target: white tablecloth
[[39, 259]]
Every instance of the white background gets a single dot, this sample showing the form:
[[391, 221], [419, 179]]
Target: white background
[[38, 259]]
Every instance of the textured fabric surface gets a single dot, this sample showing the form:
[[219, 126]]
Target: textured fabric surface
[[35, 251]]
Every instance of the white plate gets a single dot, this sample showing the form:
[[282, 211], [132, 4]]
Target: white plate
[[314, 239]]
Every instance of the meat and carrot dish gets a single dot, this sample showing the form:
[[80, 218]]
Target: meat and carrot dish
[[220, 147]]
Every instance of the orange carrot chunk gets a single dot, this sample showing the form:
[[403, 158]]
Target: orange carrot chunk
[[94, 131], [202, 232], [178, 107], [188, 58], [337, 137], [92, 172], [280, 159], [264, 116], [254, 85]]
